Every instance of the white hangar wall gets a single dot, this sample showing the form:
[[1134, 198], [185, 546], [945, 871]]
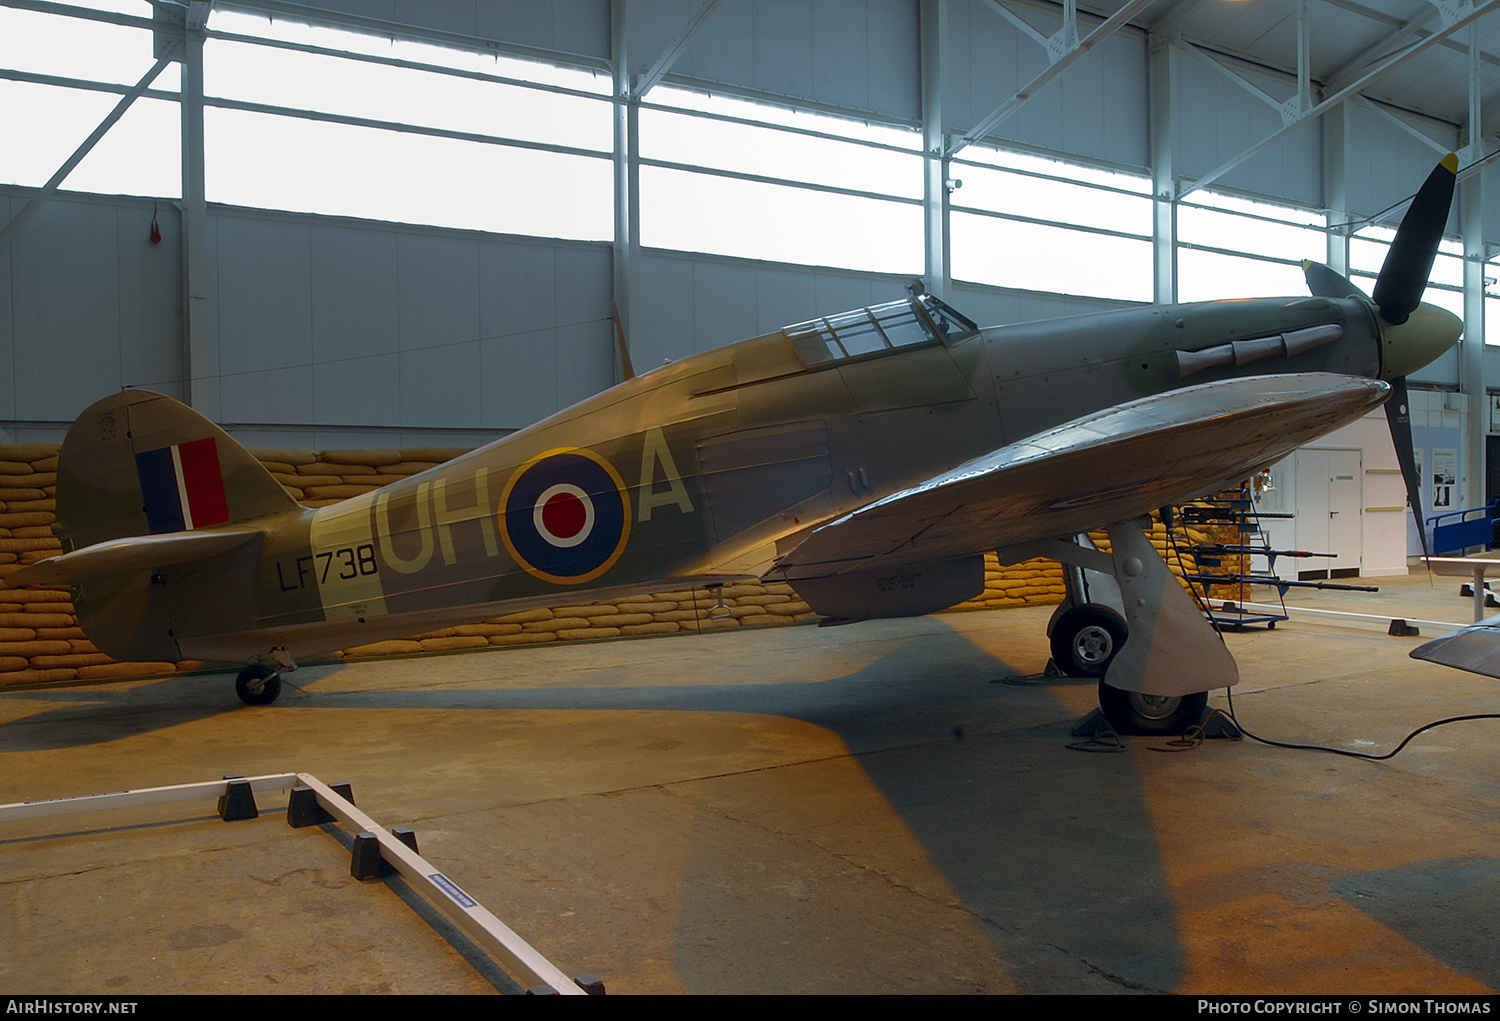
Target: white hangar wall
[[579, 27], [343, 331], [848, 54], [418, 331], [87, 304], [331, 332], [1099, 109]]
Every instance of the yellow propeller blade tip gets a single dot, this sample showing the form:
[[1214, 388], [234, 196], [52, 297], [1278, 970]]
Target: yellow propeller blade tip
[[1451, 162]]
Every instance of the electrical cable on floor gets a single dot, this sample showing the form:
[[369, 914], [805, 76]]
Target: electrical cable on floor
[[1344, 751], [1104, 741], [1190, 739]]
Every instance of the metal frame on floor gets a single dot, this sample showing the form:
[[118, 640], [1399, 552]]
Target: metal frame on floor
[[313, 801]]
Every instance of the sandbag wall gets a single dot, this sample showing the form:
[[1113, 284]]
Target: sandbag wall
[[40, 639]]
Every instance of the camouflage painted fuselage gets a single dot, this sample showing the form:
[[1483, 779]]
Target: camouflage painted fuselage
[[701, 471]]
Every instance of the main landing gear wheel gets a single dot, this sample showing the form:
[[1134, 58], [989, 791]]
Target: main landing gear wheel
[[1131, 712], [1086, 638], [258, 684]]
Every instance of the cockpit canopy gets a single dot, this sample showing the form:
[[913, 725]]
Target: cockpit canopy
[[877, 330]]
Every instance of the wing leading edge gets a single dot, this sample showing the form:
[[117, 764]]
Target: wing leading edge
[[1093, 471]]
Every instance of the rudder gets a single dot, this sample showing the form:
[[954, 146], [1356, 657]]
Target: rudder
[[138, 463]]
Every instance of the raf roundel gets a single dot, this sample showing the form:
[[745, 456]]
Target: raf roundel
[[565, 516]]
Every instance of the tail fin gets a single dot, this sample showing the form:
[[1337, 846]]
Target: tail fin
[[138, 463]]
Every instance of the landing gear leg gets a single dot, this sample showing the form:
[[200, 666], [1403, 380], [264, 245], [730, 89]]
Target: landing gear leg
[[1157, 666]]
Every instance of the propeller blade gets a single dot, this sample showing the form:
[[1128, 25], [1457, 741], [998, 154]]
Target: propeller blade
[[1403, 277], [1398, 416], [1326, 283]]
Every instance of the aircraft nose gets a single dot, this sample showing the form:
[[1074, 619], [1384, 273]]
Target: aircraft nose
[[1407, 347]]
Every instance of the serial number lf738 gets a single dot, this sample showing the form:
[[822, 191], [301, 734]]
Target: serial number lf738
[[344, 564]]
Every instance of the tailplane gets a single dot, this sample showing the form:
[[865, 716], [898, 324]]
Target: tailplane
[[162, 518]]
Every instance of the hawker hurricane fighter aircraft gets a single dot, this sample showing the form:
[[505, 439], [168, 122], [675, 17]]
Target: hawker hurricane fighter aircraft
[[870, 459]]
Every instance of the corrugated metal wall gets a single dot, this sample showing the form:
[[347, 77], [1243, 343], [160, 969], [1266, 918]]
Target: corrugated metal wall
[[1098, 109], [339, 332], [361, 325], [87, 303]]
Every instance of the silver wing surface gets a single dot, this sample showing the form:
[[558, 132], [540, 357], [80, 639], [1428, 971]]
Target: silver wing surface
[[1475, 648], [1104, 468]]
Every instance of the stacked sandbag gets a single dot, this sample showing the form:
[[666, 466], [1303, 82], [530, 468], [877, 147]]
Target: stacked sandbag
[[40, 639], [1033, 581], [320, 479]]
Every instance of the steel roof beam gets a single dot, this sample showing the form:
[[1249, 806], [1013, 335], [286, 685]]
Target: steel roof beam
[[648, 81], [1062, 56], [1402, 32], [1357, 64], [47, 190], [1475, 11], [1169, 25], [1292, 109], [1018, 21], [1401, 123]]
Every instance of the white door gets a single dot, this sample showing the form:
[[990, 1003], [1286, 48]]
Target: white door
[[1329, 490]]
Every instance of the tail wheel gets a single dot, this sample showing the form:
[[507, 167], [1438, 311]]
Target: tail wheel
[[258, 684], [1086, 638], [1131, 712]]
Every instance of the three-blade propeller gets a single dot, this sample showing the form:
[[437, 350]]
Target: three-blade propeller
[[1398, 293]]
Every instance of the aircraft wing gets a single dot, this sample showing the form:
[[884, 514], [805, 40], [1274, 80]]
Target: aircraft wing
[[1108, 467], [145, 552], [1475, 648]]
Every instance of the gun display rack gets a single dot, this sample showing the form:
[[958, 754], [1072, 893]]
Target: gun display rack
[[1235, 524]]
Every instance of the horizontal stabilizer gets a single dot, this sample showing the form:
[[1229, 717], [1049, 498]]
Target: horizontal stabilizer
[[138, 553]]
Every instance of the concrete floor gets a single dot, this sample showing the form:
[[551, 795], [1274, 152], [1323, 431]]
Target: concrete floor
[[856, 809]]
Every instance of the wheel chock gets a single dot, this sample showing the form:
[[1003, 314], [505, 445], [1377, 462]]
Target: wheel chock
[[1216, 723], [407, 836], [591, 984], [238, 800], [1093, 725], [366, 862], [302, 808], [1401, 629]]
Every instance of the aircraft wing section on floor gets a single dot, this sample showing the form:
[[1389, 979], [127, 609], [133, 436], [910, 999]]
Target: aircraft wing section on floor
[[1088, 473], [1475, 648]]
